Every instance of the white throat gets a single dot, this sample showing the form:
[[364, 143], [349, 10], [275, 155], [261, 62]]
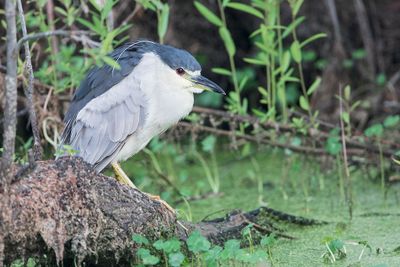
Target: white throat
[[168, 101]]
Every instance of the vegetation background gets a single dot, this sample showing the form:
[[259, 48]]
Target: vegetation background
[[310, 124]]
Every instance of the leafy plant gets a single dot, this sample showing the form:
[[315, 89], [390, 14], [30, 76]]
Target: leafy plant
[[211, 172], [204, 254], [235, 102], [162, 11], [335, 250], [66, 150]]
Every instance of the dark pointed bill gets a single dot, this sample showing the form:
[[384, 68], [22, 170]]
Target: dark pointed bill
[[202, 82]]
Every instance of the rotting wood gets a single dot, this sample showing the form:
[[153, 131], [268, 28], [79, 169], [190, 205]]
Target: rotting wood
[[65, 210]]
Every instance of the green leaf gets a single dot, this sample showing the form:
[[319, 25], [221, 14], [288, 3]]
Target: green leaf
[[255, 61], [168, 246], [313, 38], [243, 82], [139, 239], [263, 91], [197, 243], [111, 62], [347, 92], [359, 54], [246, 8], [212, 255], [208, 143], [295, 49], [333, 145], [106, 8], [222, 71], [208, 14], [346, 117], [295, 5], [163, 22], [61, 11], [95, 4], [304, 103], [146, 257], [285, 61], [225, 2], [292, 26], [231, 249], [228, 41], [391, 121], [314, 86], [347, 63], [374, 130], [336, 245], [176, 259], [268, 240], [88, 24], [381, 79]]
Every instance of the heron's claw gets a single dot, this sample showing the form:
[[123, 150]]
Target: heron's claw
[[124, 179], [162, 202]]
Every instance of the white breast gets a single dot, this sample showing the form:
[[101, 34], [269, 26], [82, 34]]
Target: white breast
[[168, 102]]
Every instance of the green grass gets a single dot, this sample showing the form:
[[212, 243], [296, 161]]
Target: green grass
[[291, 184]]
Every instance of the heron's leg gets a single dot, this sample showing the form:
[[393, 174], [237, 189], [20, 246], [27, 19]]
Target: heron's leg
[[121, 175], [124, 179]]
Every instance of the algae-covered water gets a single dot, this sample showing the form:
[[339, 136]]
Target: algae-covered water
[[293, 184]]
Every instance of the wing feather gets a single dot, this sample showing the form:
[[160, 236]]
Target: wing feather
[[102, 126]]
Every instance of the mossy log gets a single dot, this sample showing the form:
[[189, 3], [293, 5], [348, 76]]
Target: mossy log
[[66, 211]]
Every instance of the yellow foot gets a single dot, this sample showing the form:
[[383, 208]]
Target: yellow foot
[[164, 203], [121, 176]]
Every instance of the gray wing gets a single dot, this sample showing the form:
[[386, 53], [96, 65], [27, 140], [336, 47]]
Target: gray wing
[[100, 128], [100, 79]]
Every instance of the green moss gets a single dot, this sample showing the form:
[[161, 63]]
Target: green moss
[[292, 184]]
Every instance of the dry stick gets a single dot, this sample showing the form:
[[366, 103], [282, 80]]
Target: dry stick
[[50, 18], [366, 35], [10, 111], [349, 196], [37, 149], [335, 20]]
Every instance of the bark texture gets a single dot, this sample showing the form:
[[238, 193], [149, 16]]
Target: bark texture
[[65, 210], [10, 111]]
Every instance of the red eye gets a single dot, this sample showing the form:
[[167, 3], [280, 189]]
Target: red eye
[[180, 71]]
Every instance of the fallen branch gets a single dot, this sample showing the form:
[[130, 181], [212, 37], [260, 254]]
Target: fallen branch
[[367, 144], [35, 36], [299, 149]]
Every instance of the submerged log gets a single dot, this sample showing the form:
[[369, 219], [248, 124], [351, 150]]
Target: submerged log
[[65, 210]]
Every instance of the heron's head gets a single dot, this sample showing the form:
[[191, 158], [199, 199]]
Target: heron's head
[[180, 68]]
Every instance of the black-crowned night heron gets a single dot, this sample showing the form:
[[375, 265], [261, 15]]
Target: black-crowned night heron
[[116, 112]]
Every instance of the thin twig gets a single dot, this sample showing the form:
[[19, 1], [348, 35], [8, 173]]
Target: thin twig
[[35, 36], [50, 18], [37, 149], [349, 197], [335, 20], [299, 149]]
